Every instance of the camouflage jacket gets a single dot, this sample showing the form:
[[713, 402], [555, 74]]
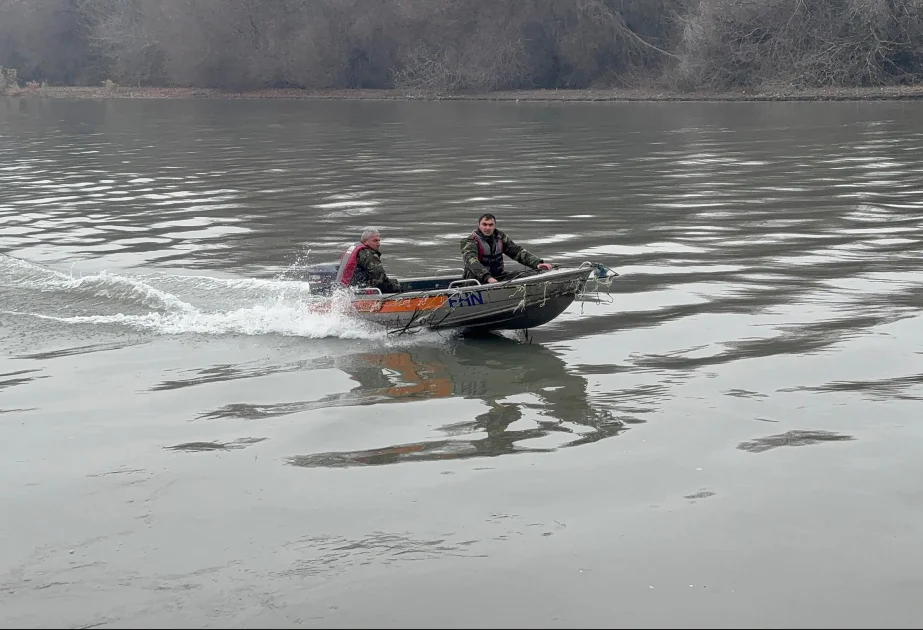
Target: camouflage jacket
[[474, 268], [371, 273]]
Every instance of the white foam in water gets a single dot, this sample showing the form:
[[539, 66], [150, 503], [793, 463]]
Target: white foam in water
[[103, 284], [254, 320], [269, 306], [117, 287]]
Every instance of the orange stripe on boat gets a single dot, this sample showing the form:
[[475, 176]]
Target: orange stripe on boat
[[400, 306]]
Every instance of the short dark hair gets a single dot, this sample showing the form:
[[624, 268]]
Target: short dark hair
[[487, 215]]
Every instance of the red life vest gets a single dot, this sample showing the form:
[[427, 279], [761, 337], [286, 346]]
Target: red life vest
[[348, 261], [490, 258]]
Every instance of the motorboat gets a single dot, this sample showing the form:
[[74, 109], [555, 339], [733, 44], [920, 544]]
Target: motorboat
[[527, 300]]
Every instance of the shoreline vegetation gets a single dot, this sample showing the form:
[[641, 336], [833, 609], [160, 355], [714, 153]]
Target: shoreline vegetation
[[112, 91], [534, 50]]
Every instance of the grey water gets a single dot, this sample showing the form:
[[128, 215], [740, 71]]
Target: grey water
[[728, 436]]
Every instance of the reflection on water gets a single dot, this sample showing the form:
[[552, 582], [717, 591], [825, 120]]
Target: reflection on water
[[11, 379], [192, 447], [74, 350], [529, 392], [792, 438], [896, 388]]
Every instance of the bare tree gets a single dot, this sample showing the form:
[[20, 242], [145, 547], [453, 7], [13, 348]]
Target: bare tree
[[822, 42], [45, 40], [449, 46], [118, 33], [477, 46]]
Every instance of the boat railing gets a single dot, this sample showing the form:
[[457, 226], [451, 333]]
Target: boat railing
[[464, 283]]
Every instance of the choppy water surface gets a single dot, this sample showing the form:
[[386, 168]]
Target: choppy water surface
[[728, 437]]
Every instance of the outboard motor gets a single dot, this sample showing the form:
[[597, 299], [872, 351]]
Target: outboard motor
[[321, 277]]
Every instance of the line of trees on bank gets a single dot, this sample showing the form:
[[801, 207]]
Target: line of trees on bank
[[454, 46]]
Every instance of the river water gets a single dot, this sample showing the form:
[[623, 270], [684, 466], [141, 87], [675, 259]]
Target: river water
[[728, 437]]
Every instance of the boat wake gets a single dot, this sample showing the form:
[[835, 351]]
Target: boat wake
[[173, 304]]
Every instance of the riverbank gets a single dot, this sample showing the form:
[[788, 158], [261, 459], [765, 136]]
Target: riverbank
[[780, 93]]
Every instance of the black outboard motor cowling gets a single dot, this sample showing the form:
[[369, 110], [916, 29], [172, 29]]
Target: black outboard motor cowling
[[321, 277]]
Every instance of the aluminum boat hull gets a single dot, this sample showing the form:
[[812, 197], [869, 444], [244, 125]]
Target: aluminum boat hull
[[446, 302]]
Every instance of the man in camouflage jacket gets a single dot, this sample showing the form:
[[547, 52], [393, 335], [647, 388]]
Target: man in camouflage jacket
[[369, 270], [484, 249]]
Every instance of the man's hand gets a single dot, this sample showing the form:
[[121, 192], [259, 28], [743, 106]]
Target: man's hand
[[491, 280], [544, 266]]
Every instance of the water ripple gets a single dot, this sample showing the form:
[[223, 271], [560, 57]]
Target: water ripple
[[736, 239]]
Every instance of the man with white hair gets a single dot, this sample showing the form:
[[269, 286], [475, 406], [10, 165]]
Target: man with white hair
[[360, 265]]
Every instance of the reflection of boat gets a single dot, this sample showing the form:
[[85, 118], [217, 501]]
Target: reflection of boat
[[549, 399], [440, 302]]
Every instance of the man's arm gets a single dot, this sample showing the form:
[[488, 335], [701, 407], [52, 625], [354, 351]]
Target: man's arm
[[376, 271], [518, 253], [469, 251]]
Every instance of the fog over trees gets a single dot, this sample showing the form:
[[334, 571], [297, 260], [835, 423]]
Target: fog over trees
[[454, 46]]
